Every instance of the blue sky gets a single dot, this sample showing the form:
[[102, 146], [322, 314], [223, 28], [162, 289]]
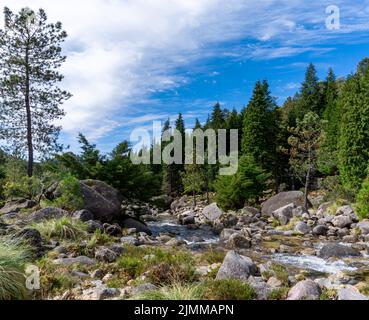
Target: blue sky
[[134, 61]]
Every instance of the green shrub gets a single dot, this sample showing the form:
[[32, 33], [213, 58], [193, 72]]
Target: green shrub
[[99, 238], [176, 291], [63, 228], [213, 256], [70, 195], [133, 266], [362, 201], [227, 290], [328, 294], [13, 258], [25, 187], [54, 279], [278, 271], [278, 294], [161, 266], [247, 185]]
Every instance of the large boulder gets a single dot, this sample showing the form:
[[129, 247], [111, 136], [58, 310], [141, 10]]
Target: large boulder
[[212, 212], [236, 266], [282, 199], [102, 200], [17, 205], [47, 214], [337, 250], [304, 290]]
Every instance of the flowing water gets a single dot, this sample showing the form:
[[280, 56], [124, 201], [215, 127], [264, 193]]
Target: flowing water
[[195, 238], [203, 237]]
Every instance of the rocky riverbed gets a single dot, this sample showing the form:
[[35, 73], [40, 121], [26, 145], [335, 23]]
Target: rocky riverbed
[[280, 250]]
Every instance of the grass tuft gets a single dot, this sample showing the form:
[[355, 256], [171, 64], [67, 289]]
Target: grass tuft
[[14, 255], [64, 228]]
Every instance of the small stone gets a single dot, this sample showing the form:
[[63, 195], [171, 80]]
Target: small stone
[[274, 283], [302, 228], [94, 225], [143, 288], [113, 230], [342, 221], [320, 230], [129, 240], [105, 255], [97, 274], [237, 241], [82, 260]]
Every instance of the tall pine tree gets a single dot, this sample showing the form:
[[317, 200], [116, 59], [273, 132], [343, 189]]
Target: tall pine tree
[[259, 129], [353, 144], [30, 99]]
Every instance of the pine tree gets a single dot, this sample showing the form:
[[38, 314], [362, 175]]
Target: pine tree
[[177, 169], [217, 118], [246, 186], [260, 128], [310, 97], [353, 144], [332, 116], [167, 185], [305, 142], [30, 55]]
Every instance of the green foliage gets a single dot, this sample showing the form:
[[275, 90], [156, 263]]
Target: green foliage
[[208, 290], [305, 142], [160, 266], [99, 238], [310, 96], [13, 258], [31, 54], [25, 187], [278, 271], [362, 200], [70, 195], [278, 294], [117, 170], [61, 229], [227, 290], [213, 256], [247, 185], [54, 279], [335, 190], [332, 116], [259, 124], [353, 143], [176, 291], [328, 294]]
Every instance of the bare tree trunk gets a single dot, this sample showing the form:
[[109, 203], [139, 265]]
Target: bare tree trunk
[[29, 119], [307, 182]]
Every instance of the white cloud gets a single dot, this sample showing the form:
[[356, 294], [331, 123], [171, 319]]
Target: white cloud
[[122, 51]]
